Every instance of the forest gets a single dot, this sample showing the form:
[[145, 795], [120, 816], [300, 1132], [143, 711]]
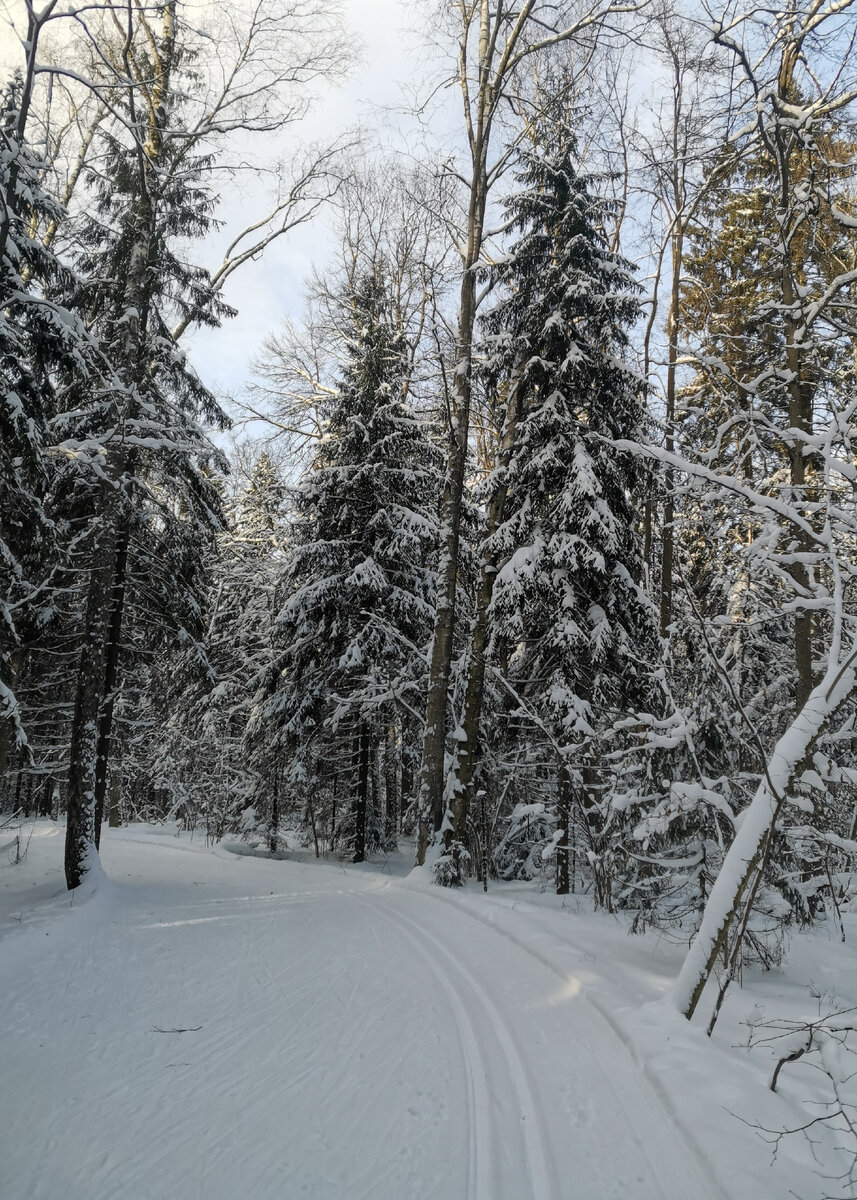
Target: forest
[[527, 548]]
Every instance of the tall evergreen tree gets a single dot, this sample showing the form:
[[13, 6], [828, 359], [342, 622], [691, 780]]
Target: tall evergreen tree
[[359, 583], [222, 777], [149, 453], [43, 346], [567, 607]]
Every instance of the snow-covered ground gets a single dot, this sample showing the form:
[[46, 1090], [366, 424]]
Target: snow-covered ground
[[215, 1025]]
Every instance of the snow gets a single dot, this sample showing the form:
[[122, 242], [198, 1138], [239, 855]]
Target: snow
[[208, 1024], [836, 686]]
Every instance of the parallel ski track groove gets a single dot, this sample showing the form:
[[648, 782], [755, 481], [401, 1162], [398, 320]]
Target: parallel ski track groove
[[695, 1150], [479, 1177], [541, 1174]]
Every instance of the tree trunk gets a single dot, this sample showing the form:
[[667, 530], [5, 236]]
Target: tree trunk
[[563, 822], [113, 652], [406, 783], [668, 541], [114, 815], [800, 418], [391, 786], [800, 397], [80, 840], [430, 805], [361, 792], [273, 840], [468, 747], [440, 667]]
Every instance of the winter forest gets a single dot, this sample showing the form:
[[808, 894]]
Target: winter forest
[[493, 628]]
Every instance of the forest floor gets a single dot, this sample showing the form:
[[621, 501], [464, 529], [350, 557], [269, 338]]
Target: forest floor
[[208, 1024]]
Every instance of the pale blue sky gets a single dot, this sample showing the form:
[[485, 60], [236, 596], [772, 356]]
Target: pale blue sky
[[265, 291]]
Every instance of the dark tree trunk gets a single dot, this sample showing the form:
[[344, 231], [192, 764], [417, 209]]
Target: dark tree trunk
[[563, 822], [273, 840], [668, 543], [391, 787], [112, 654], [114, 815], [81, 835], [361, 792], [431, 788], [467, 750], [406, 784]]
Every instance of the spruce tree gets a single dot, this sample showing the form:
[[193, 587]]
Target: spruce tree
[[567, 604], [154, 504], [359, 583], [230, 783], [43, 347]]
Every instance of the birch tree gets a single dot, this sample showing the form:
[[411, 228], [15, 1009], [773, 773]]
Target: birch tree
[[795, 66]]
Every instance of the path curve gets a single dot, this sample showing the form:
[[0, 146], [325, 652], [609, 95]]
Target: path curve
[[213, 1026]]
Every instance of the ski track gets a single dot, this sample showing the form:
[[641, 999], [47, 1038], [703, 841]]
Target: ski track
[[353, 1046], [488, 1141], [627, 1143], [538, 933]]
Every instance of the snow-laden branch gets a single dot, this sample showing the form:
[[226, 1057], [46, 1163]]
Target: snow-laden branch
[[729, 483], [743, 858]]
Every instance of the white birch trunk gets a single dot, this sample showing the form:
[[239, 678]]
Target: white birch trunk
[[756, 821]]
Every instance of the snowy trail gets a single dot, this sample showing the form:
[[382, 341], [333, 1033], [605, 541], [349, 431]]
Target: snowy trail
[[356, 1038], [606, 1126], [506, 1149]]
